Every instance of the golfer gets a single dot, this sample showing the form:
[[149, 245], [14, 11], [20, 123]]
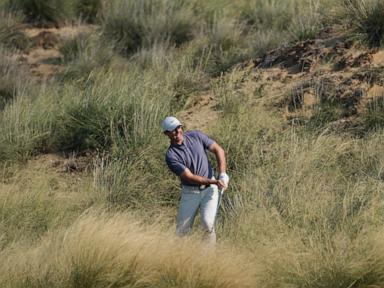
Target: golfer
[[187, 158]]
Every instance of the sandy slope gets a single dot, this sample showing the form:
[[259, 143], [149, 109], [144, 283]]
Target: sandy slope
[[296, 78]]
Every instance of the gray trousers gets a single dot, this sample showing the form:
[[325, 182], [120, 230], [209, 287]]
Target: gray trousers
[[192, 198]]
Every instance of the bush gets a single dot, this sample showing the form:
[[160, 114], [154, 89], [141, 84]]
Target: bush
[[88, 10], [83, 127], [139, 181], [269, 14], [24, 129], [366, 19], [13, 77], [84, 55], [220, 46], [133, 25], [307, 23], [260, 42], [10, 32], [46, 11], [373, 115]]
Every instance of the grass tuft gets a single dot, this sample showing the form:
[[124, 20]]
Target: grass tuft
[[367, 20], [373, 116], [46, 11], [103, 251], [10, 35], [134, 25]]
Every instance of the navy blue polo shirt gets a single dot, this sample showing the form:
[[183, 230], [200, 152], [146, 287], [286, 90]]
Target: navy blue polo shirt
[[190, 154]]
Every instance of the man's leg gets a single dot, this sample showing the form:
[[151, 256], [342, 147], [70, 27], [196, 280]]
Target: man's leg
[[208, 210], [189, 204]]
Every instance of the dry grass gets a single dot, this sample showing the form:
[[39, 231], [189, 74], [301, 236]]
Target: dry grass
[[304, 209], [101, 250]]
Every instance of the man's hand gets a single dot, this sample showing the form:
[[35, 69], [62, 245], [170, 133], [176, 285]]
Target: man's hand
[[221, 185], [225, 179]]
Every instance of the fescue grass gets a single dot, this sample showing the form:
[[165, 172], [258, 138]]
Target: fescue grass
[[372, 117], [133, 25], [366, 21], [89, 10], [102, 250], [39, 197], [45, 11], [10, 35], [304, 207], [48, 12], [12, 76]]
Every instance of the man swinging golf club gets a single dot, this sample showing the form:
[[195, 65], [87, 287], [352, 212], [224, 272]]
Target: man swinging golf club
[[187, 158]]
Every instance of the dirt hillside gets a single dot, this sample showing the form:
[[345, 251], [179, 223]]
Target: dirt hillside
[[43, 58], [302, 77], [296, 78]]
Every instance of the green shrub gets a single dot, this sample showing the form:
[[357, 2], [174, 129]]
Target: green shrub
[[88, 10], [83, 127], [10, 31], [373, 115], [84, 45], [25, 128], [307, 23], [84, 55], [269, 14], [13, 78], [217, 47], [133, 25], [138, 181], [260, 42], [46, 11], [366, 20]]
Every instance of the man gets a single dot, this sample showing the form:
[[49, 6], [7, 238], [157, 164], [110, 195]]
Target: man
[[187, 158]]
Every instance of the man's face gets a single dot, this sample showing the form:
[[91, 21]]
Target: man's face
[[176, 136]]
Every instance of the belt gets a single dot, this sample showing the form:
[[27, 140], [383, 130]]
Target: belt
[[193, 187]]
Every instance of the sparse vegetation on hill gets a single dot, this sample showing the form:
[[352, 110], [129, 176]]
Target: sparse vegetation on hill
[[300, 116]]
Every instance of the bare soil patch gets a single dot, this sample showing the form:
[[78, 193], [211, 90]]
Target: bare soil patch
[[44, 57], [201, 113], [300, 77]]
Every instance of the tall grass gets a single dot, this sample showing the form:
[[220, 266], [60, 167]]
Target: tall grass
[[304, 206], [302, 19], [47, 12], [104, 251], [101, 118], [132, 25], [89, 10], [372, 117], [301, 202], [37, 198], [12, 76], [26, 123], [366, 20], [53, 11], [10, 31]]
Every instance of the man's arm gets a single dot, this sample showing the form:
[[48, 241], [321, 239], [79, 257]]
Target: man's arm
[[221, 163], [220, 157], [187, 175]]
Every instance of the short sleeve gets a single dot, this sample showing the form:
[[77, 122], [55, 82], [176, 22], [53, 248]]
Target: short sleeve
[[175, 166], [207, 142]]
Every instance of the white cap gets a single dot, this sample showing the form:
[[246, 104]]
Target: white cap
[[170, 123]]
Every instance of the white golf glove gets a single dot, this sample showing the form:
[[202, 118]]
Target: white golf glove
[[225, 178]]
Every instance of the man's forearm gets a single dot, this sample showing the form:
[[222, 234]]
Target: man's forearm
[[220, 157], [200, 180], [221, 162], [196, 179]]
